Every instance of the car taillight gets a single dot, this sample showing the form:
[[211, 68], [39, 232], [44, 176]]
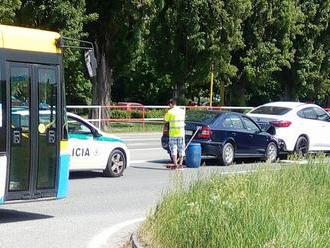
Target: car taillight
[[281, 123], [204, 133]]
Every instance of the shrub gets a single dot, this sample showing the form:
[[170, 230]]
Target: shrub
[[120, 114], [137, 114], [123, 114], [155, 113], [282, 208]]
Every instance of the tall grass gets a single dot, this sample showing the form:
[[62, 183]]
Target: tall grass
[[289, 207], [133, 127]]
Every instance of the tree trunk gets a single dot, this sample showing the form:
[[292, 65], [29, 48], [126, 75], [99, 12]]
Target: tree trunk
[[179, 93], [238, 97], [290, 87], [103, 82], [327, 104]]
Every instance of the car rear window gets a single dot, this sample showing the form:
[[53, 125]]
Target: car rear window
[[271, 110], [202, 116]]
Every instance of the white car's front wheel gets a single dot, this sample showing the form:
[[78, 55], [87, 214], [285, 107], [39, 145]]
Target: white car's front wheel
[[302, 146], [116, 164]]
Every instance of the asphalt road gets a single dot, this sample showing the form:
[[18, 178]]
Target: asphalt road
[[96, 205]]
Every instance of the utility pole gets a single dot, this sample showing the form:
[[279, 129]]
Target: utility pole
[[222, 93], [211, 84]]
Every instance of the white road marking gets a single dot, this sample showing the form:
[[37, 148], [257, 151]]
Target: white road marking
[[100, 240], [138, 134], [142, 139], [148, 161], [146, 149], [138, 144], [139, 161]]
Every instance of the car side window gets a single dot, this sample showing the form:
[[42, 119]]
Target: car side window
[[236, 122], [227, 122], [301, 114], [76, 127], [321, 114], [250, 125], [309, 113]]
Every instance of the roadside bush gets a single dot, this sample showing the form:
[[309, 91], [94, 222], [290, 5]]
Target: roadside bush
[[120, 114], [123, 114], [289, 207], [137, 114], [156, 113]]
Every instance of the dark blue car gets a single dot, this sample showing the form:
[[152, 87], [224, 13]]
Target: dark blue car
[[228, 135]]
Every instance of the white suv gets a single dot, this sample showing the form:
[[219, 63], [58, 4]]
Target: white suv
[[301, 127]]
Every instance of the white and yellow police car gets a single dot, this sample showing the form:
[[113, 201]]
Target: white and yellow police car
[[92, 149]]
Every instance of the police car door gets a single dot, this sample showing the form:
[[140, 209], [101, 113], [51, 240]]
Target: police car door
[[84, 151]]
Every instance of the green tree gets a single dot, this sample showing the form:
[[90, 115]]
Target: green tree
[[188, 36], [7, 10], [286, 53], [309, 75], [68, 18], [117, 35], [268, 48]]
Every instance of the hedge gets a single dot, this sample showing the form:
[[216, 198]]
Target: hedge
[[122, 114]]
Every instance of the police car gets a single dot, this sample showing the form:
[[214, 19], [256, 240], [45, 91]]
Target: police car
[[92, 149]]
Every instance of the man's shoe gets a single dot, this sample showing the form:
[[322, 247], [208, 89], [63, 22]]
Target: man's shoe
[[171, 166]]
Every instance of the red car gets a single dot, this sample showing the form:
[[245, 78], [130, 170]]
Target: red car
[[129, 106]]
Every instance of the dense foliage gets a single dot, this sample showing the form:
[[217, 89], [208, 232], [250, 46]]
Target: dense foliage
[[148, 51], [7, 10], [65, 16]]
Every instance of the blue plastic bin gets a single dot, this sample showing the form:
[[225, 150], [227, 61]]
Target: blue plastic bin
[[194, 155]]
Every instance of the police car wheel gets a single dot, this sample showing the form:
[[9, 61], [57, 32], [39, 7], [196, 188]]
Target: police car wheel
[[116, 164]]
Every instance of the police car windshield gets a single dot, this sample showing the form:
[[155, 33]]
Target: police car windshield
[[202, 116]]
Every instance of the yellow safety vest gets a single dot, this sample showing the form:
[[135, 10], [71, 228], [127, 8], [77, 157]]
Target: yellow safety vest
[[175, 116]]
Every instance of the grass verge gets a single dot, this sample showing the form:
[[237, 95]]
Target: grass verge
[[289, 207], [134, 127]]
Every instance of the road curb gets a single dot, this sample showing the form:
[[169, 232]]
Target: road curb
[[114, 236], [135, 241], [136, 133]]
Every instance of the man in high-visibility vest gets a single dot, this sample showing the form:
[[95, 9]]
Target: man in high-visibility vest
[[175, 116]]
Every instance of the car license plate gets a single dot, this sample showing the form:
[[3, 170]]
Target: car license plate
[[189, 132]]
